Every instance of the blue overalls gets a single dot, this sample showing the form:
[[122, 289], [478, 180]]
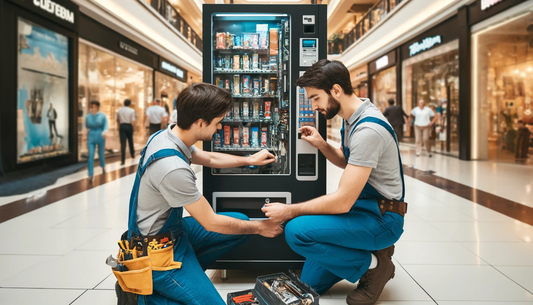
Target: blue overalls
[[195, 247], [338, 247], [96, 124]]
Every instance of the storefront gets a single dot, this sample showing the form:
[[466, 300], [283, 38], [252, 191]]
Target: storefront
[[169, 82], [39, 62], [112, 68], [502, 81], [430, 73], [383, 79]]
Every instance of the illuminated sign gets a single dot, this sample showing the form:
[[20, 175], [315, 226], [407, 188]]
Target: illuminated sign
[[382, 62], [485, 4], [56, 9], [426, 44], [172, 69], [127, 47]]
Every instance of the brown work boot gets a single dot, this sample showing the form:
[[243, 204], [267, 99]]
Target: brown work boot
[[373, 281]]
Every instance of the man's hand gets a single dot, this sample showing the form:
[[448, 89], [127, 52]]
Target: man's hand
[[261, 158], [277, 212], [269, 228], [104, 134], [312, 136]]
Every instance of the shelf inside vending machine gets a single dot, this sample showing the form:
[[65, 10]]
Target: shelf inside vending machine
[[250, 58]]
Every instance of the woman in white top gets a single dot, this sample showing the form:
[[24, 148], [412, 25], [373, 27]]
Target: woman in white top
[[424, 119]]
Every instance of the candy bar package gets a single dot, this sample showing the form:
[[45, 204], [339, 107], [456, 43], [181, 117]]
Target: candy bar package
[[227, 62], [245, 111], [236, 62], [237, 42], [268, 113], [276, 289], [229, 40], [236, 85], [216, 140], [257, 87], [246, 84], [220, 40], [255, 61], [246, 62], [264, 136], [227, 84], [236, 110], [245, 137], [236, 137], [273, 33], [251, 40], [255, 136], [227, 136], [218, 82], [255, 113]]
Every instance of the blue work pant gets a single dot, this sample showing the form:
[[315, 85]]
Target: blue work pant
[[189, 285], [92, 142], [338, 247]]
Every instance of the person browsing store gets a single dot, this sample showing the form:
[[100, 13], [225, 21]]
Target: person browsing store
[[125, 117], [349, 234], [166, 184], [156, 116]]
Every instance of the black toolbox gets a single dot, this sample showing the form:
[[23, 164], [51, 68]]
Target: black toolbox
[[278, 289]]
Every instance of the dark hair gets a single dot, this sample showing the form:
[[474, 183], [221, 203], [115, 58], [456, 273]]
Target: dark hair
[[202, 101], [127, 102], [97, 103], [520, 122], [391, 101], [156, 100], [326, 73]]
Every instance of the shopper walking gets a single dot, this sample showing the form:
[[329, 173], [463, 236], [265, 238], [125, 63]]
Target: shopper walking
[[125, 117], [156, 115], [96, 123], [424, 119], [522, 141], [395, 115]]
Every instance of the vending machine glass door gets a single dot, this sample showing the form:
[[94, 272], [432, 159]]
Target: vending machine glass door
[[251, 59]]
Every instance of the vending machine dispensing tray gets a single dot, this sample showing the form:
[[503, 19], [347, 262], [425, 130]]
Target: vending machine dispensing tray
[[276, 289]]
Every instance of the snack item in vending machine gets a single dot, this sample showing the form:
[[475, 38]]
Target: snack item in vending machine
[[255, 41], [246, 62], [264, 90], [221, 40], [227, 62], [268, 113], [236, 85], [237, 42], [255, 61], [246, 84], [273, 33], [218, 82], [245, 137], [256, 110], [255, 136], [236, 137], [245, 112], [257, 85], [236, 62], [227, 135], [227, 84], [229, 40], [264, 42], [236, 110], [217, 139], [264, 136]]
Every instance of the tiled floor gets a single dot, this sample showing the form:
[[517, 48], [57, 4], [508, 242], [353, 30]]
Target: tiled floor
[[453, 251]]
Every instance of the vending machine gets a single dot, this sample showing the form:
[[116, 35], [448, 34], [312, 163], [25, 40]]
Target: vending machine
[[258, 52]]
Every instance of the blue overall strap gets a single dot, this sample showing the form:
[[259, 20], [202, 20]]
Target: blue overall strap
[[345, 150], [391, 131]]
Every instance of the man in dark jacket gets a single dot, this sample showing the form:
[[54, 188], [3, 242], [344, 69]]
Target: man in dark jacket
[[394, 115]]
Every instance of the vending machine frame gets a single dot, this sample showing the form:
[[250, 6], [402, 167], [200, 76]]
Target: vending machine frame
[[306, 178]]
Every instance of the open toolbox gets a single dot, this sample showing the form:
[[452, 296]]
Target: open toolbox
[[276, 289]]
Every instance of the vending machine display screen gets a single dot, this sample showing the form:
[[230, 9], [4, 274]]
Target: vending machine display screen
[[251, 59]]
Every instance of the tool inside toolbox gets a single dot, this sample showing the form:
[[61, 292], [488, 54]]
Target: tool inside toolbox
[[289, 292], [244, 298]]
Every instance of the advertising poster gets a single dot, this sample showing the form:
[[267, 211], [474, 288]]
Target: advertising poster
[[42, 105]]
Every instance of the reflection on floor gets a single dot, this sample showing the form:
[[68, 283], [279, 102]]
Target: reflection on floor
[[453, 251]]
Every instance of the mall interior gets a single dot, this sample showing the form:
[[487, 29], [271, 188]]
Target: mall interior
[[468, 226]]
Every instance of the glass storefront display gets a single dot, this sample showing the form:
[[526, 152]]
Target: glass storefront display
[[110, 80], [43, 93], [167, 89], [433, 76], [502, 121], [384, 88]]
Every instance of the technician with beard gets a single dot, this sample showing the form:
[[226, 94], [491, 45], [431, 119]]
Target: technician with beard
[[166, 183], [349, 234]]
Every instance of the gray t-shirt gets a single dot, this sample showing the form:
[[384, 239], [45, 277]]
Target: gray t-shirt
[[167, 183], [371, 145]]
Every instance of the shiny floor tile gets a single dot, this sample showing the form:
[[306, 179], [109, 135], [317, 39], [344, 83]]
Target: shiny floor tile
[[11, 265], [91, 297], [503, 254], [486, 231], [39, 296], [434, 253], [523, 276]]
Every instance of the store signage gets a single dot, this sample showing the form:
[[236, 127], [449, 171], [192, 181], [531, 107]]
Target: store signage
[[172, 69], [56, 9], [426, 44], [382, 62], [485, 4], [127, 47]]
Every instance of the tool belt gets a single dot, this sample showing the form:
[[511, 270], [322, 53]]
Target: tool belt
[[134, 271], [395, 206]]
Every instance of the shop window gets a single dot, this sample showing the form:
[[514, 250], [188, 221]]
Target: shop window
[[110, 80], [503, 91], [384, 88], [43, 95], [433, 76], [167, 89]]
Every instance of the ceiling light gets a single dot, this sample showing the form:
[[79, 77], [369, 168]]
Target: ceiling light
[[529, 69], [516, 71]]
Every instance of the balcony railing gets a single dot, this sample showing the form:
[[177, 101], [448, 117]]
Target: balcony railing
[[377, 13], [170, 14]]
